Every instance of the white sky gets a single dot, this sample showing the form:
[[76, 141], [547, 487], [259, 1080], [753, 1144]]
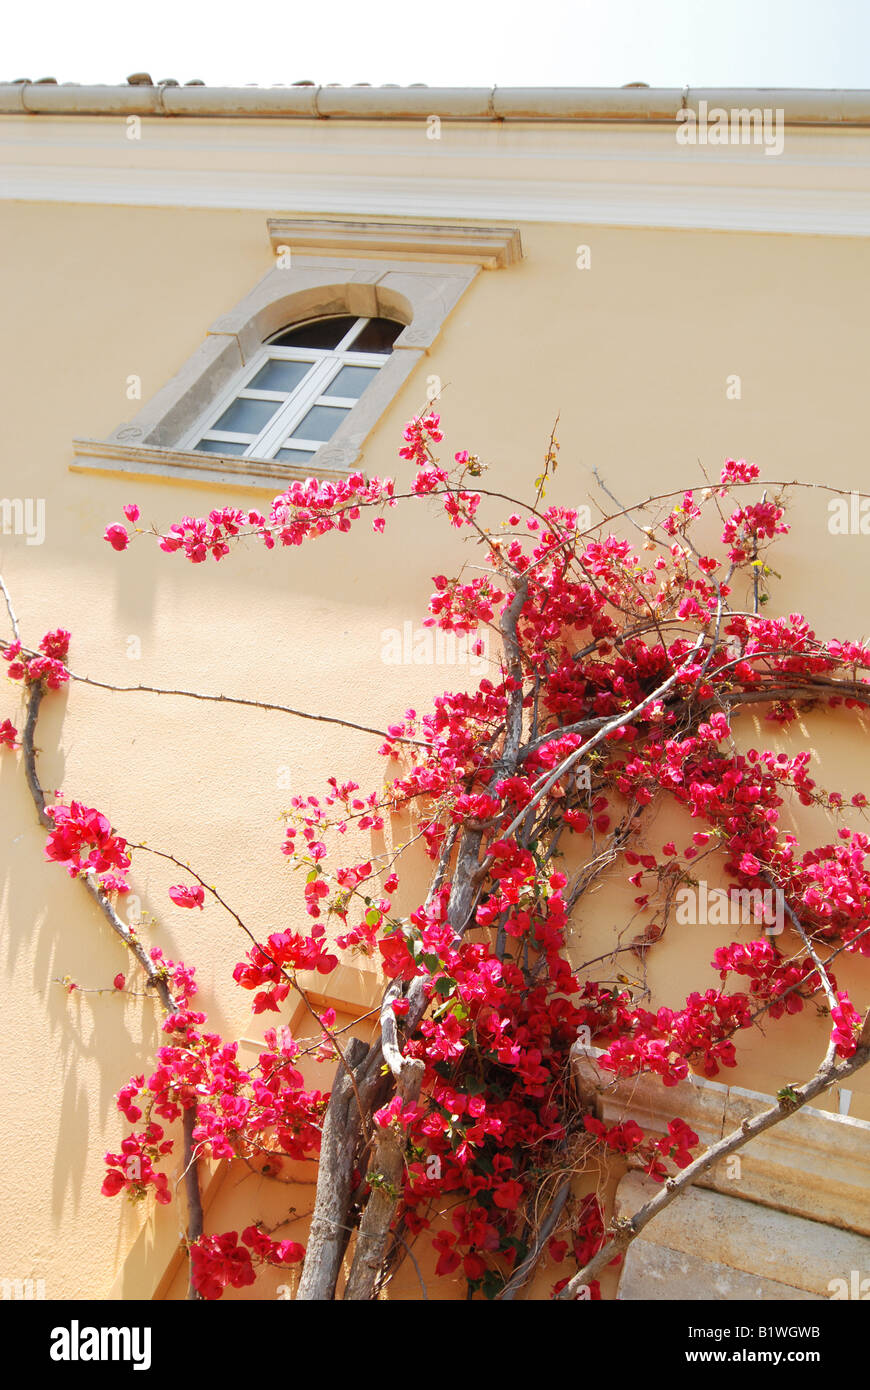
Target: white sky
[[559, 43]]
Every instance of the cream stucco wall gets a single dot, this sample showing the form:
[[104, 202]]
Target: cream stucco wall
[[632, 354]]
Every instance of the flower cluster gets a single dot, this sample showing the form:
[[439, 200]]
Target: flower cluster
[[50, 668], [84, 843], [264, 1114], [134, 1169], [220, 1261], [462, 607]]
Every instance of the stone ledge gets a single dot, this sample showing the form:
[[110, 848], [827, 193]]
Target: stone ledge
[[750, 1243], [149, 461], [655, 1273], [814, 1164]]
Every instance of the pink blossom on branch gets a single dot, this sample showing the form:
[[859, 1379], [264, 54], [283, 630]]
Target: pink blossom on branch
[[187, 897], [117, 536]]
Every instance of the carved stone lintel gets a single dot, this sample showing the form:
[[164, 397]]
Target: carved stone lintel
[[490, 247]]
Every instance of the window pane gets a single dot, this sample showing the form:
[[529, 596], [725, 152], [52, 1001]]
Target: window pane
[[377, 336], [321, 422], [246, 417], [294, 455], [351, 381], [219, 446], [319, 333], [278, 375]]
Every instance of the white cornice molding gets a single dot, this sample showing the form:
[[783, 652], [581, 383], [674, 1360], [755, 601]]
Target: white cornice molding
[[517, 172], [489, 247]]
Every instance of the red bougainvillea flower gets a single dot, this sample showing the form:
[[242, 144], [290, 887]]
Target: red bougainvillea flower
[[219, 1261], [48, 669], [8, 734], [448, 1259], [847, 1025], [508, 1194], [56, 644], [398, 962]]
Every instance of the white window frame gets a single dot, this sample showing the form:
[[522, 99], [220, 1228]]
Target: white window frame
[[313, 390]]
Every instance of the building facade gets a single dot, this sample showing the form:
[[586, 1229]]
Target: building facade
[[676, 288]]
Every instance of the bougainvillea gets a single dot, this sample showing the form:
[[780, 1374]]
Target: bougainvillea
[[623, 673]]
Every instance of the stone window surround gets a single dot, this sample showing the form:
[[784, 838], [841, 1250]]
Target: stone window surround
[[415, 273], [797, 1216]]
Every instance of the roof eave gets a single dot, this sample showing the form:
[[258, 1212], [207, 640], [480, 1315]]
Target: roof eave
[[642, 105]]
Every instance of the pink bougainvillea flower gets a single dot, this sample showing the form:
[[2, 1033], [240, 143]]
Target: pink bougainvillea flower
[[187, 897], [117, 536]]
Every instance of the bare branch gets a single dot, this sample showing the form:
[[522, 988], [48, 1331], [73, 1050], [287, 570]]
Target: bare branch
[[9, 609], [330, 1230], [239, 700], [385, 1179]]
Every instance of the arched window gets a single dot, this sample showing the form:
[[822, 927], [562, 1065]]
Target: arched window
[[295, 377], [297, 389]]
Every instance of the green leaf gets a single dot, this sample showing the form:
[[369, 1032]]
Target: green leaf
[[444, 986], [431, 961]]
